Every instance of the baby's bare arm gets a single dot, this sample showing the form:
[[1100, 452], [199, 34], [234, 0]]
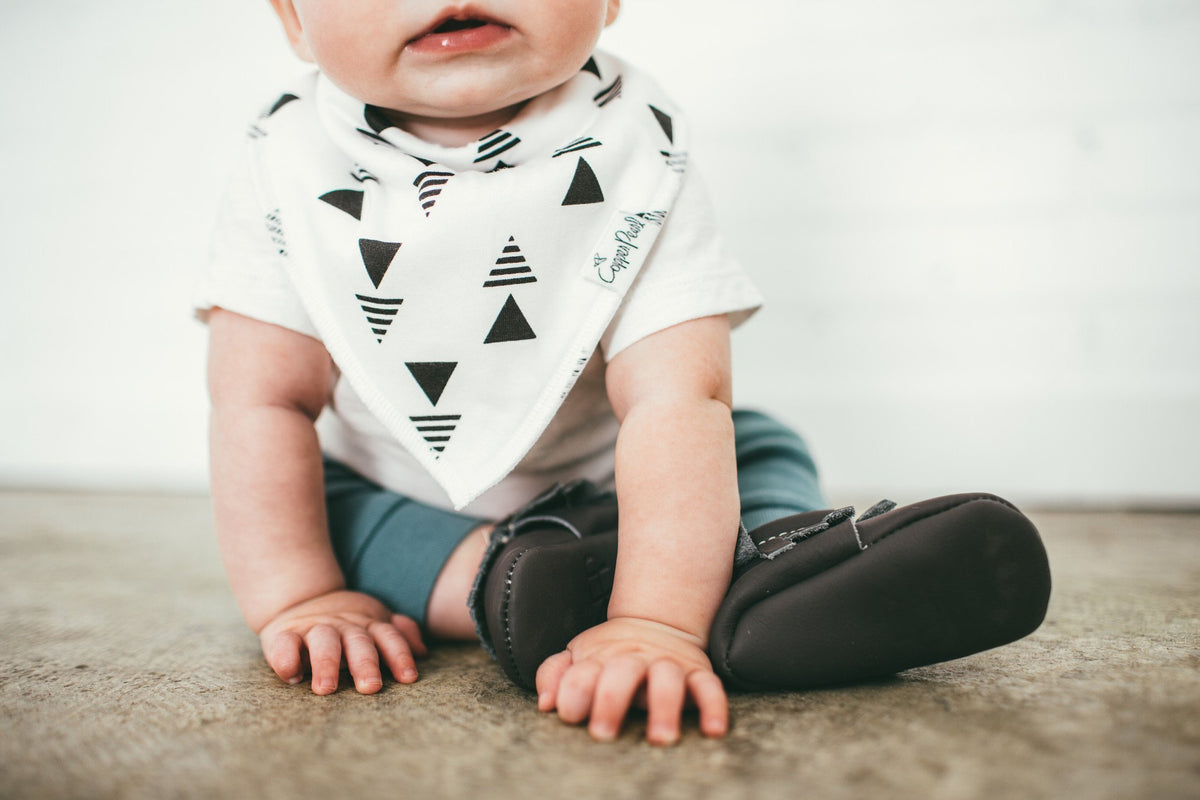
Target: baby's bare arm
[[676, 476], [268, 385], [677, 487]]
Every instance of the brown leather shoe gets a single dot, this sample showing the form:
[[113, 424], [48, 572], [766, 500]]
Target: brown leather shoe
[[546, 577], [829, 599]]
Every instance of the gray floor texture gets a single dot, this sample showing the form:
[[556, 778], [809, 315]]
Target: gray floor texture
[[126, 672]]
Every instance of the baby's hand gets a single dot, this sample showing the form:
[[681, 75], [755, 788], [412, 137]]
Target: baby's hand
[[602, 670], [342, 626]]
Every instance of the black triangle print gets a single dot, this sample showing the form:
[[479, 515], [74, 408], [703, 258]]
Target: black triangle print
[[432, 376], [436, 429], [583, 143], [348, 200], [424, 161], [499, 166], [283, 100], [377, 257], [665, 121], [585, 188], [377, 118], [591, 67], [511, 268], [381, 313], [510, 325]]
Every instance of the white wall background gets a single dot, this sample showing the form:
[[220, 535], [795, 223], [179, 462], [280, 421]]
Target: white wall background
[[978, 225]]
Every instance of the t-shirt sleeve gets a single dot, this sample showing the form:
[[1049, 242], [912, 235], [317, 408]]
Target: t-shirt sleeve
[[245, 272], [687, 275]]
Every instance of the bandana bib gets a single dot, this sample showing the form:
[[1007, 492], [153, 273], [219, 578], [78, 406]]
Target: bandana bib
[[461, 291]]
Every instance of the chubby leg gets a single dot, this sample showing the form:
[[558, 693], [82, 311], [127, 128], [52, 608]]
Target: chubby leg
[[418, 560], [446, 615]]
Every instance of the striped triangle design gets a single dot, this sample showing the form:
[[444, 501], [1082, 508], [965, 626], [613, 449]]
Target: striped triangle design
[[381, 313], [436, 429], [677, 160], [609, 93], [429, 185], [511, 268], [495, 143], [374, 137], [577, 145], [362, 175]]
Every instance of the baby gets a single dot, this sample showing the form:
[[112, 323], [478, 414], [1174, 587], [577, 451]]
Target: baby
[[474, 248]]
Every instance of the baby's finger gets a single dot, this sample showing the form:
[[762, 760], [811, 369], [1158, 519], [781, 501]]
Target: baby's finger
[[284, 657], [664, 699], [411, 632], [614, 692], [325, 657], [575, 691], [710, 698], [549, 676], [363, 660], [396, 650]]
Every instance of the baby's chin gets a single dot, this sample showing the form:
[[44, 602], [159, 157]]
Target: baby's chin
[[469, 103]]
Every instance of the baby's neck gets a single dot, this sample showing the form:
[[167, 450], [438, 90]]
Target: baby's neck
[[455, 132]]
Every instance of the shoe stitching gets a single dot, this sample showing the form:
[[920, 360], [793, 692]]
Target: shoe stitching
[[508, 584], [813, 530]]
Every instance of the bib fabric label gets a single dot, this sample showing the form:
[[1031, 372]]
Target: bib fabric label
[[621, 254]]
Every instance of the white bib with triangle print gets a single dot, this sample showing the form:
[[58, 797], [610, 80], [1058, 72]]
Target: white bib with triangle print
[[461, 291]]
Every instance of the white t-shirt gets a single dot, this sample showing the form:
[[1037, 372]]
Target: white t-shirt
[[687, 275]]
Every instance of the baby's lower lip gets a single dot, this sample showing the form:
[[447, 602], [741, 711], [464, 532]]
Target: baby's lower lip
[[461, 41]]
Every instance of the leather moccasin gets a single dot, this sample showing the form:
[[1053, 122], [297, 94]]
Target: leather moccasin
[[546, 577], [830, 599]]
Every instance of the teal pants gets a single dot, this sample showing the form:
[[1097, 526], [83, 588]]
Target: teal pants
[[393, 547]]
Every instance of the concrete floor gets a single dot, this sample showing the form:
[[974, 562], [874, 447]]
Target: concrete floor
[[126, 672]]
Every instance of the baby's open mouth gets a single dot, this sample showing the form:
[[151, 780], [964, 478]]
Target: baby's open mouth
[[461, 33], [452, 25]]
